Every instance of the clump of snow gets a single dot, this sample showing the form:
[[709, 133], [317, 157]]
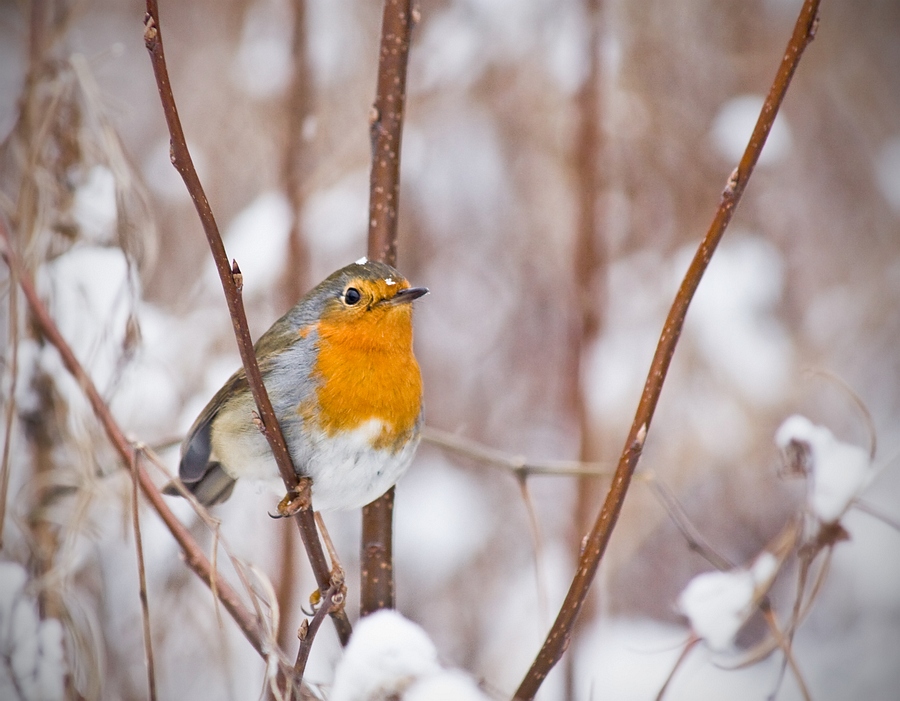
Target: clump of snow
[[94, 206], [386, 654], [33, 661], [90, 291], [734, 124], [838, 472], [447, 685], [390, 656], [717, 604], [887, 172]]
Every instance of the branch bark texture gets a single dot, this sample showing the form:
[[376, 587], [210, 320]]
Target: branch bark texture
[[386, 129], [231, 284]]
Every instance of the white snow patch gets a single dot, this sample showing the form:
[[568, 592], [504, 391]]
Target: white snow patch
[[34, 662], [838, 472], [887, 172], [389, 281], [390, 656], [449, 52], [717, 604], [335, 221], [386, 654], [94, 206], [90, 302], [161, 176], [734, 124], [257, 239], [362, 261], [732, 317], [441, 521], [447, 685], [263, 63]]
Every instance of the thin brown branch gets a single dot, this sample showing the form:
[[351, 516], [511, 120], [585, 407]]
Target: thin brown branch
[[230, 276], [11, 398], [518, 464], [875, 512], [558, 637], [688, 530], [688, 646], [307, 632], [142, 575], [193, 554], [386, 130], [784, 642]]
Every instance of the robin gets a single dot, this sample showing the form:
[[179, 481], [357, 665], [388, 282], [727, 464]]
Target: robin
[[344, 383]]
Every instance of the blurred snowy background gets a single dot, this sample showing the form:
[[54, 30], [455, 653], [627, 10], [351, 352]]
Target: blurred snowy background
[[545, 307]]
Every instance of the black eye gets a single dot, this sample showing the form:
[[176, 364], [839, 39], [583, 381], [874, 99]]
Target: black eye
[[352, 296]]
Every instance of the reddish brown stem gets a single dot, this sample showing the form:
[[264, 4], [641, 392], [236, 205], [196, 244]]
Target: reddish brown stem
[[386, 129], [596, 542], [230, 277]]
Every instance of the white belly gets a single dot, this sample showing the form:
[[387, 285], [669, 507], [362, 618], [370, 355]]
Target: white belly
[[347, 473]]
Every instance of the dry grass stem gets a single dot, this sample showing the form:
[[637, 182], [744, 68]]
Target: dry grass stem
[[518, 464]]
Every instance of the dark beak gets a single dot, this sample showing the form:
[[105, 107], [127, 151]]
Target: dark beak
[[408, 295]]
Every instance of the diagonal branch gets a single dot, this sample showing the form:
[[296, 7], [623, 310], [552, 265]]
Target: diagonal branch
[[298, 490], [193, 555], [386, 129], [598, 538]]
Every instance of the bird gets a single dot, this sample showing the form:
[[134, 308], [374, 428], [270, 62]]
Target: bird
[[346, 388]]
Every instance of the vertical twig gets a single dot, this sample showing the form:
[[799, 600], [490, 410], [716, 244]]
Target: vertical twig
[[230, 276], [558, 637], [142, 575], [297, 159], [11, 398], [386, 128], [589, 260]]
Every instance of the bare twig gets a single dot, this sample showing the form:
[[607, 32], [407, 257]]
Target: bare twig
[[297, 156], [784, 642], [534, 526], [194, 556], [688, 646], [518, 464], [558, 637], [689, 531], [875, 512], [860, 405], [307, 632], [297, 489], [142, 575], [11, 398], [386, 129]]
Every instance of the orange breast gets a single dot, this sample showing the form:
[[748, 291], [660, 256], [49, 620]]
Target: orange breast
[[367, 370]]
